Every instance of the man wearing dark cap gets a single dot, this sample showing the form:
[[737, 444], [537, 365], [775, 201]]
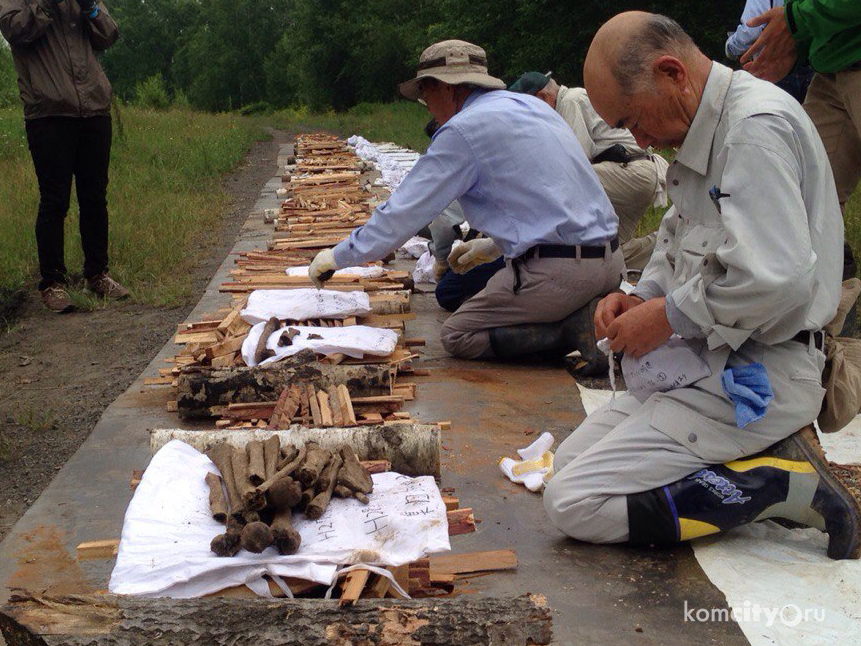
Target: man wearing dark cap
[[516, 169], [633, 178]]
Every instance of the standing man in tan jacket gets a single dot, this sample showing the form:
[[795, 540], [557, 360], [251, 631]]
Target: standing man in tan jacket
[[67, 100]]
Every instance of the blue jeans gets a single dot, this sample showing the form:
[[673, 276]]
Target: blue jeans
[[454, 289]]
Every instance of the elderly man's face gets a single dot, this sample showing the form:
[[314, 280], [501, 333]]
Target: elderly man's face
[[657, 116], [439, 98]]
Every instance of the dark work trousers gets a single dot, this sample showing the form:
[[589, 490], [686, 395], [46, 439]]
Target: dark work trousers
[[63, 147], [454, 289]]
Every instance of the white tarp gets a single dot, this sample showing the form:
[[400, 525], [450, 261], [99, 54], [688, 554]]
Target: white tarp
[[374, 271], [304, 304], [782, 587], [352, 340], [392, 161], [415, 246], [423, 273], [164, 549]]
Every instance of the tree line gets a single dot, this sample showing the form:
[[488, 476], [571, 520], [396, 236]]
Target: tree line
[[333, 54]]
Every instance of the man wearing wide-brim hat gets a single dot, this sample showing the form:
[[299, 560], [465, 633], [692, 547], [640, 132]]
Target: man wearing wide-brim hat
[[522, 179]]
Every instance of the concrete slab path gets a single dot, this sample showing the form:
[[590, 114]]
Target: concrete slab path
[[599, 595]]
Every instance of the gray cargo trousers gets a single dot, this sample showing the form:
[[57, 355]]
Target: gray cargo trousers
[[628, 447], [550, 289]]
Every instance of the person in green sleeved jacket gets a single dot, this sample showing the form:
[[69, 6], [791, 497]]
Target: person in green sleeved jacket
[[828, 34]]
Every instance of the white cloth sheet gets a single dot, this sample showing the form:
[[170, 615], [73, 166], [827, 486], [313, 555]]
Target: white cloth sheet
[[779, 583], [164, 549], [304, 304], [373, 271], [352, 340], [392, 161], [416, 246], [423, 273]]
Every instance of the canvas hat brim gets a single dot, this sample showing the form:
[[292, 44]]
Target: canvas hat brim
[[410, 89]]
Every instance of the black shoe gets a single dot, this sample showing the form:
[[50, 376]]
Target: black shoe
[[791, 480]]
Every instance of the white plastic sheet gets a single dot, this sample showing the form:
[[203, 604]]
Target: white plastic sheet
[[416, 246], [392, 161], [781, 586], [352, 340], [669, 366], [164, 549], [303, 304], [423, 273], [374, 271]]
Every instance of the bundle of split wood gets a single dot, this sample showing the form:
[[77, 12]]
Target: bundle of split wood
[[265, 486], [307, 221]]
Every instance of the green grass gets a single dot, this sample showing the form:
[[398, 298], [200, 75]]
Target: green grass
[[36, 420], [402, 122], [164, 199], [164, 195]]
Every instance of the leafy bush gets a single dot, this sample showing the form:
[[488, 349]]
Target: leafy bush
[[152, 93], [260, 107]]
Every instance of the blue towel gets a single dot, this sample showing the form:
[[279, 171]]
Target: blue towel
[[749, 389]]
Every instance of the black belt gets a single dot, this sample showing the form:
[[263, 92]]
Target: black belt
[[566, 251], [560, 251], [804, 337]]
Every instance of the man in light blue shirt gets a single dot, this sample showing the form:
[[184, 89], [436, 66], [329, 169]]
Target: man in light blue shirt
[[741, 40], [522, 179]]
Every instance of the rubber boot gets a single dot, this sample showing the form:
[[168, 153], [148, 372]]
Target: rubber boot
[[574, 332], [527, 338], [790, 480], [580, 327]]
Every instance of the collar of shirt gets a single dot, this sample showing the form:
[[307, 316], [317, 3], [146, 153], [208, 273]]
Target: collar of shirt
[[472, 97], [695, 151]]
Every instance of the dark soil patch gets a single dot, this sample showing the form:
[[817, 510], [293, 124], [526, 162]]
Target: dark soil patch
[[59, 373]]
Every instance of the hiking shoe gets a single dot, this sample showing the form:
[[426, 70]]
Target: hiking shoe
[[106, 287], [56, 298], [837, 498]]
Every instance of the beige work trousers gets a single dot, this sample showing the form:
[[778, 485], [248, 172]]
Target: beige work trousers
[[628, 447], [631, 188], [550, 290], [833, 103]]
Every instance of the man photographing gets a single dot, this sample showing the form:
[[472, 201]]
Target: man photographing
[[67, 100]]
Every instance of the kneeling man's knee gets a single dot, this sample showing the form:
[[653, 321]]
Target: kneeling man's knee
[[463, 344], [582, 516]]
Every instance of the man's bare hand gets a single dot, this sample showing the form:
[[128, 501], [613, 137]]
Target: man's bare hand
[[775, 48], [610, 307], [641, 329]]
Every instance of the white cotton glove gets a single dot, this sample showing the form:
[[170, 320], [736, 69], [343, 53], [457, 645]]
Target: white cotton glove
[[472, 254], [535, 468], [323, 267]]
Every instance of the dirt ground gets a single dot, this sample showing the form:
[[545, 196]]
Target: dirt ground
[[59, 373]]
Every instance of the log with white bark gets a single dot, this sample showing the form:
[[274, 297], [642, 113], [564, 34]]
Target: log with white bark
[[199, 390], [412, 449]]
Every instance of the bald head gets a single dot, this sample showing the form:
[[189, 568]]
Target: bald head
[[644, 73], [628, 43]]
